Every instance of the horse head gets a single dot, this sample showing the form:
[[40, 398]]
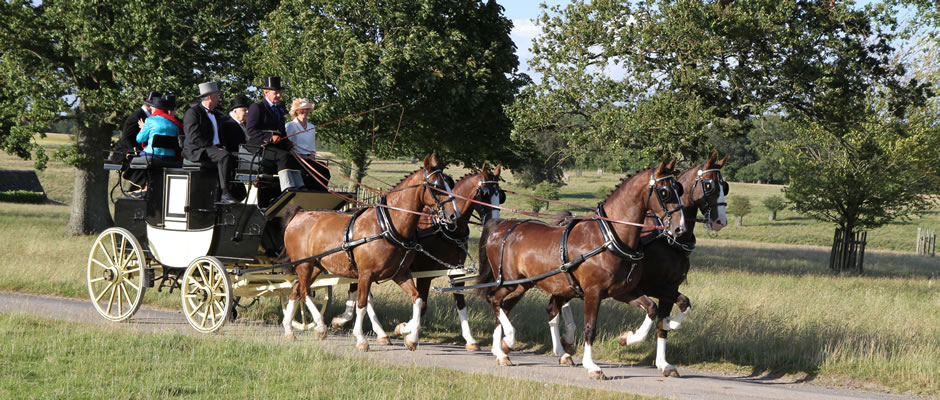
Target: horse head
[[437, 192], [488, 191], [708, 192], [664, 198]]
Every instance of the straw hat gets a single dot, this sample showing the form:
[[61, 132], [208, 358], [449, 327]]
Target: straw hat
[[299, 104]]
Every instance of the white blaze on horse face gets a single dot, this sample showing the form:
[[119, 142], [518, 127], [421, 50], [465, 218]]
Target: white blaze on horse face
[[722, 220], [494, 200], [453, 200]]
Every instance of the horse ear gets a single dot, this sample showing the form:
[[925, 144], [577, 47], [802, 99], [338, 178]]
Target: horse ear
[[429, 160], [672, 164], [721, 163], [499, 168], [711, 160], [662, 165]]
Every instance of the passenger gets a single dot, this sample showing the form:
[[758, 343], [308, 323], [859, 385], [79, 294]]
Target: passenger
[[203, 134], [238, 110], [265, 123], [127, 147], [303, 135], [163, 123]]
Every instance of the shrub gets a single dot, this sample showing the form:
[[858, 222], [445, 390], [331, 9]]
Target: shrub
[[602, 192], [545, 190], [774, 204], [739, 206], [22, 196]]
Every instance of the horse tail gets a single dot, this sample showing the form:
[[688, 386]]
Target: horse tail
[[485, 269], [289, 214]]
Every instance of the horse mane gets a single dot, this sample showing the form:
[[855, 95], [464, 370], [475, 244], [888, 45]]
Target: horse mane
[[406, 178], [622, 182]]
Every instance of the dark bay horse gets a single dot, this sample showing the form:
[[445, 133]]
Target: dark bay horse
[[665, 265], [598, 259], [385, 236], [446, 245]]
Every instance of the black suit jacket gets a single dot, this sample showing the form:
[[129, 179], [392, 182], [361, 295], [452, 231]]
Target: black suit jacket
[[197, 131], [128, 142], [260, 120]]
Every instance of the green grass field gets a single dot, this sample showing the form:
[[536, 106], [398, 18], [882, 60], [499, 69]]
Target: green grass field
[[763, 300], [55, 360]]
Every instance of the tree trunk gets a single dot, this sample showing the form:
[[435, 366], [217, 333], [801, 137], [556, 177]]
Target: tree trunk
[[773, 215], [738, 220], [90, 212]]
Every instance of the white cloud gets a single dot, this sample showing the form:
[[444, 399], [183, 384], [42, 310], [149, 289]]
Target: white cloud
[[523, 31]]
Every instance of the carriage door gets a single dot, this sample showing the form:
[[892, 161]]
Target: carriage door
[[176, 201]]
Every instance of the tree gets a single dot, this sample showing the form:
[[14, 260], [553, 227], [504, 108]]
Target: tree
[[739, 206], [545, 190], [96, 60], [774, 204], [449, 64]]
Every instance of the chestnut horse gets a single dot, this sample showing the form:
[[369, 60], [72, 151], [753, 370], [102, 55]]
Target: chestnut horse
[[378, 244], [523, 254], [449, 246], [665, 265]]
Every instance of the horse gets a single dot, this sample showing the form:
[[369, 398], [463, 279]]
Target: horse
[[315, 239], [442, 244], [525, 255], [665, 265]]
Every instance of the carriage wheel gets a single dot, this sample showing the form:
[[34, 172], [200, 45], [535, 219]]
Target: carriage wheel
[[116, 276], [207, 294], [303, 320]]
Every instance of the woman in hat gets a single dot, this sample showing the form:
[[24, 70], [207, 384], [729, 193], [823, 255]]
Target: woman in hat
[[303, 134], [162, 122]]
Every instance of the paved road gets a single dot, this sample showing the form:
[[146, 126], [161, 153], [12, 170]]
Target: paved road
[[694, 384]]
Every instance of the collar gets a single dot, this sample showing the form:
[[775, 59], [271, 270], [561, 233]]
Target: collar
[[146, 112]]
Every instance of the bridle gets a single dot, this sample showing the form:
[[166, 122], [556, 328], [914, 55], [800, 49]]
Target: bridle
[[709, 187], [444, 183], [665, 194], [485, 191]]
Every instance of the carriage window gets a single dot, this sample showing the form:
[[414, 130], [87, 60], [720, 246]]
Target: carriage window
[[177, 188]]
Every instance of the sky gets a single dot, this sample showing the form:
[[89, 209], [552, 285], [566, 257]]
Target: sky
[[522, 12]]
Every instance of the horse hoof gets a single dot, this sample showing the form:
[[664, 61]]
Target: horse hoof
[[671, 371], [506, 348], [597, 375], [321, 334], [623, 337], [473, 347], [383, 340], [400, 328], [566, 359], [411, 345], [289, 336], [569, 347], [503, 362], [362, 347], [338, 323]]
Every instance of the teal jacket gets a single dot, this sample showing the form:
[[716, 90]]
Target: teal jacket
[[157, 125]]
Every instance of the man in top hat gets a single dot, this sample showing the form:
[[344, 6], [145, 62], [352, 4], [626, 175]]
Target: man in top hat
[[205, 137], [127, 146], [265, 123]]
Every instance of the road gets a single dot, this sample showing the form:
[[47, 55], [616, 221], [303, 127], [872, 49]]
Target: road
[[694, 384]]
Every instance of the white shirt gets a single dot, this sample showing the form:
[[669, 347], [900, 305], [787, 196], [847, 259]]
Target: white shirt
[[215, 127], [145, 111], [304, 143]]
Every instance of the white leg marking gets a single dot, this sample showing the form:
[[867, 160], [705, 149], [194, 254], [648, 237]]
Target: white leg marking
[[317, 318], [357, 329], [508, 330], [376, 325], [570, 326], [661, 362], [288, 316], [641, 333], [588, 360], [557, 349], [414, 326], [349, 313], [465, 326], [497, 342], [672, 323]]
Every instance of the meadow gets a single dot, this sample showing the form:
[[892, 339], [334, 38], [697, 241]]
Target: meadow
[[763, 300]]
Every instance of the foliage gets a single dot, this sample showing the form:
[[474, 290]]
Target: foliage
[[450, 64], [22, 196], [739, 205], [602, 192], [545, 190], [94, 61], [774, 203]]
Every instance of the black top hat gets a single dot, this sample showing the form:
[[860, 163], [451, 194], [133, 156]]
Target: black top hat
[[152, 97], [272, 83], [239, 102], [166, 102]]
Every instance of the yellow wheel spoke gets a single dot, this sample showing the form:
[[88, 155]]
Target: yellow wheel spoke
[[99, 263], [95, 280], [106, 288], [114, 254], [205, 316], [131, 271], [106, 254], [119, 302], [202, 274], [127, 295], [128, 281], [124, 257], [111, 298]]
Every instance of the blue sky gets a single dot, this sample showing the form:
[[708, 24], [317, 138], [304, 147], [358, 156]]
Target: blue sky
[[522, 12]]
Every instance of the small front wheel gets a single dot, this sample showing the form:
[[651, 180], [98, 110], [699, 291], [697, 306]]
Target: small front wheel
[[207, 294]]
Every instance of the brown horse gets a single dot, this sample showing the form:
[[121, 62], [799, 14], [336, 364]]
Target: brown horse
[[448, 246], [378, 244], [523, 254], [665, 265]]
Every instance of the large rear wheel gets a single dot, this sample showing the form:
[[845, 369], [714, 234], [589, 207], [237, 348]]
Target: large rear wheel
[[116, 278], [207, 294]]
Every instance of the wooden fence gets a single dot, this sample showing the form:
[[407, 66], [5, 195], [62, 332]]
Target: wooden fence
[[848, 252], [926, 241]]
